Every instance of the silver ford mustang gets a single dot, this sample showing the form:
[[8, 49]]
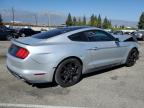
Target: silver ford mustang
[[64, 54]]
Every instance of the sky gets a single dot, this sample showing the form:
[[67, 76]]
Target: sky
[[128, 10]]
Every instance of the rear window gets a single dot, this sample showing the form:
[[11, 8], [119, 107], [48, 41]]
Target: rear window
[[54, 32], [78, 37], [49, 34]]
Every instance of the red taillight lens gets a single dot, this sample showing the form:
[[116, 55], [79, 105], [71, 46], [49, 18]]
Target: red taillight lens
[[22, 53]]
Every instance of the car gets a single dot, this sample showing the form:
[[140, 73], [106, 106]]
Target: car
[[118, 32], [127, 33], [139, 35], [25, 32], [64, 54], [7, 33]]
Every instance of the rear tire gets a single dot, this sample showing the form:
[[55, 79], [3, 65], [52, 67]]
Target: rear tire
[[68, 72], [132, 57]]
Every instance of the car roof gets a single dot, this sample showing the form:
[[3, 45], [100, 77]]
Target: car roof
[[25, 28], [62, 32], [72, 28]]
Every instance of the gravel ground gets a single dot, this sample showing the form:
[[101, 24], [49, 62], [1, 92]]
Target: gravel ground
[[120, 87]]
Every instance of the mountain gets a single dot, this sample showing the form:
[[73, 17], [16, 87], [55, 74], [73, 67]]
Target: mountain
[[44, 17], [125, 23]]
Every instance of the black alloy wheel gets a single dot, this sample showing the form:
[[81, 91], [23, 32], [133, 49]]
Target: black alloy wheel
[[68, 72], [132, 57]]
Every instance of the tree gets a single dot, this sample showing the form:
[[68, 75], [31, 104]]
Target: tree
[[95, 21], [110, 24], [122, 27], [69, 21], [105, 23], [74, 21], [99, 23], [84, 21], [141, 21], [1, 20], [92, 20], [79, 23]]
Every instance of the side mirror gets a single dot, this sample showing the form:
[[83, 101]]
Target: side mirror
[[117, 39]]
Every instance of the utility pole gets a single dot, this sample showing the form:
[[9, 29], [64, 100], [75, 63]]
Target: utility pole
[[13, 16], [36, 19], [49, 24]]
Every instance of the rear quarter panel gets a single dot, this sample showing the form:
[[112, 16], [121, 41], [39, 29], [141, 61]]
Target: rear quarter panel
[[53, 54]]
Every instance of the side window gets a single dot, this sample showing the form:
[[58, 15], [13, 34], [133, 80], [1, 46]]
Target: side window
[[91, 35], [99, 35], [78, 37], [1, 29]]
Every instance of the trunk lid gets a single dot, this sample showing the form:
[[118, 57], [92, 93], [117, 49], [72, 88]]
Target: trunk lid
[[30, 41]]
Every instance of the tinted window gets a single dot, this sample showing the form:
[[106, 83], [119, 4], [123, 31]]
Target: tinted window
[[46, 35], [118, 32], [78, 37], [98, 35], [54, 32], [3, 28]]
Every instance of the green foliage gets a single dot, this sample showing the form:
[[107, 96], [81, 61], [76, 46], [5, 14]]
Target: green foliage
[[141, 21], [99, 22], [94, 21], [69, 21], [84, 21], [79, 23], [74, 21], [106, 23]]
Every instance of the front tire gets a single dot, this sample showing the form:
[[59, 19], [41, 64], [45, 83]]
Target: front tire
[[132, 57], [68, 72]]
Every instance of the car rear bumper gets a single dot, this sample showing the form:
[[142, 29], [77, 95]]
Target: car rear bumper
[[29, 70]]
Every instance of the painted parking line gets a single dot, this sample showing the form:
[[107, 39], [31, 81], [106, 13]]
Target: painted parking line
[[9, 105]]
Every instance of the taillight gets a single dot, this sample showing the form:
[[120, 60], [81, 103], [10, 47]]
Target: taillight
[[22, 53]]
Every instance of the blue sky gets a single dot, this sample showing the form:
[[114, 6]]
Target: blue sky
[[128, 10]]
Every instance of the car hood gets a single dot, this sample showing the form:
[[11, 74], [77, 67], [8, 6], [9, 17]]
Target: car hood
[[122, 37]]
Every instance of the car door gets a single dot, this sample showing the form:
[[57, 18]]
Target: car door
[[103, 48], [3, 33]]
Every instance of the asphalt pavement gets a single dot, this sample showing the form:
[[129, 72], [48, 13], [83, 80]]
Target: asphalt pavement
[[119, 87]]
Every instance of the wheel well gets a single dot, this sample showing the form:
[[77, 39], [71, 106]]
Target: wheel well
[[73, 57], [64, 60], [136, 49]]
